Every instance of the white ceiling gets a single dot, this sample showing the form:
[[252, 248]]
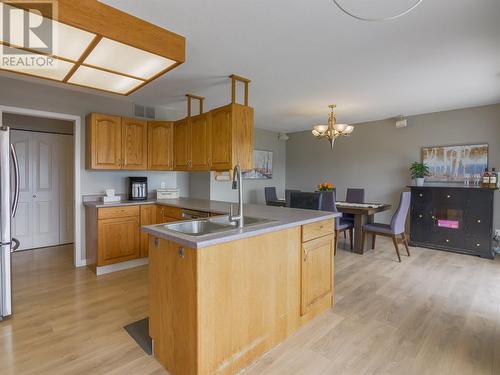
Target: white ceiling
[[303, 55]]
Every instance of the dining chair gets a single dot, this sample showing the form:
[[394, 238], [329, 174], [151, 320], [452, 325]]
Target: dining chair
[[394, 229], [270, 195], [328, 204], [354, 196], [288, 193], [309, 201]]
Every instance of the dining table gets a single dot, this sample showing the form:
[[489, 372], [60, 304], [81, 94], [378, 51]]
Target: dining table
[[363, 214], [276, 203]]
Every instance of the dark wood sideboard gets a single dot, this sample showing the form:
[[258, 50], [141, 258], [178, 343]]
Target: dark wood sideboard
[[452, 217]]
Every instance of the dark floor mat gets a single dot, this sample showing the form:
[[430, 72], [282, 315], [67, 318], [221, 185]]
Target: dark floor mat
[[139, 331]]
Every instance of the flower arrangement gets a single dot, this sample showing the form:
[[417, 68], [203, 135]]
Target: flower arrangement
[[326, 186]]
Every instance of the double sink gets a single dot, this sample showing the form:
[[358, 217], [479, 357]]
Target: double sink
[[211, 225]]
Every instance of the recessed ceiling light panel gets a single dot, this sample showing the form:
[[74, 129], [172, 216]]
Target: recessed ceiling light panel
[[70, 42], [102, 80], [121, 58], [60, 40], [15, 60]]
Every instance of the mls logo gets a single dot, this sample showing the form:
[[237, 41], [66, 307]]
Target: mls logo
[[27, 34]]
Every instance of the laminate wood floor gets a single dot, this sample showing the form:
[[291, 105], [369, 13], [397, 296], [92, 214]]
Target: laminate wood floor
[[435, 313]]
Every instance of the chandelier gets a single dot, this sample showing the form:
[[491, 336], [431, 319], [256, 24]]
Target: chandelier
[[333, 130]]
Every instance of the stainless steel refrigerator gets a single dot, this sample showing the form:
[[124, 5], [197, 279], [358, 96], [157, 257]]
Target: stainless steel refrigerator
[[9, 198]]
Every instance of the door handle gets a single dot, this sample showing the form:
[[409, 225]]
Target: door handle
[[15, 201], [16, 244]]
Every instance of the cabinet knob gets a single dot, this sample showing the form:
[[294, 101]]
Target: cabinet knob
[[420, 195], [478, 244], [157, 242], [479, 221], [420, 216], [448, 196], [447, 240], [181, 252]]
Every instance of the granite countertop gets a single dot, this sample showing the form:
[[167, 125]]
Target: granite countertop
[[282, 217], [100, 204]]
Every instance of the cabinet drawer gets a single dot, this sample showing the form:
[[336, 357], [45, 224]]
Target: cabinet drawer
[[317, 229], [448, 238], [450, 197], [478, 245], [174, 212], [478, 222], [112, 212], [422, 197]]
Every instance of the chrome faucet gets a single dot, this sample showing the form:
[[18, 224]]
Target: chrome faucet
[[237, 184]]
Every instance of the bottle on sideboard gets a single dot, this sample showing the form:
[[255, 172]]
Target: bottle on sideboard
[[486, 179], [493, 179]]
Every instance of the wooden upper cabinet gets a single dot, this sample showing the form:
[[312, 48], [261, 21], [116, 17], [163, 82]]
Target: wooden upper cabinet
[[182, 144], [160, 145], [134, 144], [221, 139], [316, 272], [104, 141], [200, 142], [232, 137]]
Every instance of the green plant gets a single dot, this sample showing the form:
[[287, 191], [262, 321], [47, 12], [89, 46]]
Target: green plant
[[419, 170]]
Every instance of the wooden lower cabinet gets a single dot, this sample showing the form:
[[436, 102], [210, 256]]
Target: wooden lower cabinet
[[167, 214], [118, 240], [148, 217], [214, 310], [316, 272]]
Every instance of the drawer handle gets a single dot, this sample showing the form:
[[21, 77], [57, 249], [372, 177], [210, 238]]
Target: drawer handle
[[181, 252]]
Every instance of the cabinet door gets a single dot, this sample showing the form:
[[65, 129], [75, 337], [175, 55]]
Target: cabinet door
[[316, 272], [200, 142], [166, 214], [160, 145], [221, 139], [104, 141], [148, 217], [134, 144], [118, 240], [181, 145]]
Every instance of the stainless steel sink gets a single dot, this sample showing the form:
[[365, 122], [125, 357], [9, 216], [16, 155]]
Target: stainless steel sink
[[212, 225]]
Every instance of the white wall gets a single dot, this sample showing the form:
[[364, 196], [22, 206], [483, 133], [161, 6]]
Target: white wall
[[253, 191]]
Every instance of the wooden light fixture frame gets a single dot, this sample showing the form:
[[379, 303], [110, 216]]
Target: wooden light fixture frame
[[107, 22]]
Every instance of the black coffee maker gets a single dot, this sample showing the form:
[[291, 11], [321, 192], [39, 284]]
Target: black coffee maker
[[138, 188]]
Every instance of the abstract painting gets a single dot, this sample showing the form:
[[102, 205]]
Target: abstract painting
[[262, 166], [452, 163]]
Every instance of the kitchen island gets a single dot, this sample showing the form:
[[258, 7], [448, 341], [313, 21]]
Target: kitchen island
[[221, 300]]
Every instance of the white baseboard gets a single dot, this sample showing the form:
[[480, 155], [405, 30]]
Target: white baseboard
[[121, 266]]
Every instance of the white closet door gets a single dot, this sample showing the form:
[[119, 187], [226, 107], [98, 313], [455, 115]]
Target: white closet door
[[22, 225], [45, 166]]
